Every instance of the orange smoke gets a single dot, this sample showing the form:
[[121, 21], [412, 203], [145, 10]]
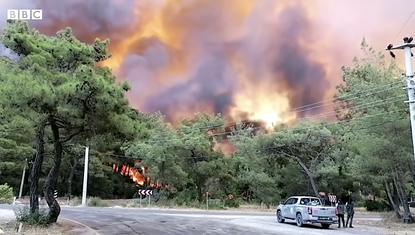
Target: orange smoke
[[226, 148], [126, 170], [250, 59]]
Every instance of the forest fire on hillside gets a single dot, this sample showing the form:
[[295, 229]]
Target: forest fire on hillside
[[130, 171], [249, 60], [228, 56]]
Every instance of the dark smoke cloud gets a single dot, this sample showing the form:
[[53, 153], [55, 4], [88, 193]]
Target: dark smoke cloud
[[293, 68], [270, 47], [305, 77], [88, 19], [210, 82], [207, 84]]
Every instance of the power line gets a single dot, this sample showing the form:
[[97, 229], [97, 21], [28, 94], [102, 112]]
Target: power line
[[364, 93], [353, 95], [350, 121], [328, 114], [344, 98], [169, 144], [362, 106], [406, 22], [400, 31]]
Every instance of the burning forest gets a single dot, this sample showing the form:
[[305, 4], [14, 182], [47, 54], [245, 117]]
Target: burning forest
[[255, 60], [130, 171], [246, 59], [249, 60]]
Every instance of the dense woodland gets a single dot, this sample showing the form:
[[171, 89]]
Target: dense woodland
[[55, 99]]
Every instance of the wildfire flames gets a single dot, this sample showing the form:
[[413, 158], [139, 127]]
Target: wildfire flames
[[250, 59], [247, 59], [127, 170]]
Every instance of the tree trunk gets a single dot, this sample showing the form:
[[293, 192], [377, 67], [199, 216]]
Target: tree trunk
[[71, 175], [392, 202], [37, 167], [310, 176], [402, 196], [199, 193], [54, 208]]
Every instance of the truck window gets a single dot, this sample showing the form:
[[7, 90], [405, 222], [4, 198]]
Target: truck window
[[294, 201], [304, 201], [288, 201], [315, 202]]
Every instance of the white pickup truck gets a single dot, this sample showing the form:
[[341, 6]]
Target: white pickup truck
[[306, 209]]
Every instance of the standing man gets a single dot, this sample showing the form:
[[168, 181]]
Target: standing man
[[350, 213], [340, 212]]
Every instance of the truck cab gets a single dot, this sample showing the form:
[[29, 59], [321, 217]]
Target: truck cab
[[306, 209]]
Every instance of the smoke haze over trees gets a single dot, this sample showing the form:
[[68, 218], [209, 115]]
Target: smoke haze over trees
[[58, 96]]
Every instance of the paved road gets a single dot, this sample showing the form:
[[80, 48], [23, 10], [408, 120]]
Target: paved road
[[123, 221]]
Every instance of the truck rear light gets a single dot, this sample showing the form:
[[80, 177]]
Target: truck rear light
[[336, 211], [310, 210]]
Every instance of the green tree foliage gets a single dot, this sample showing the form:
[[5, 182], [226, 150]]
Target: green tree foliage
[[183, 159], [380, 133], [56, 84], [6, 194], [55, 100]]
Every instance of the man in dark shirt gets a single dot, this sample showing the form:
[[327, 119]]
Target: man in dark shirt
[[340, 212], [350, 213]]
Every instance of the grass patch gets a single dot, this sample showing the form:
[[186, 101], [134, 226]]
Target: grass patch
[[75, 201], [214, 204], [60, 228], [39, 218], [97, 202], [393, 225]]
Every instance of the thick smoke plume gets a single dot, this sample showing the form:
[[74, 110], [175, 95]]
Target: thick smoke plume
[[246, 59]]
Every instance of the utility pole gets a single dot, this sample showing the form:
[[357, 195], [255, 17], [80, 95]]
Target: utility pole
[[409, 74], [410, 88], [85, 184], [22, 182]]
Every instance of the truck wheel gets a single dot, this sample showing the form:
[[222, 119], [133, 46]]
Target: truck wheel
[[279, 217], [299, 220], [325, 225]]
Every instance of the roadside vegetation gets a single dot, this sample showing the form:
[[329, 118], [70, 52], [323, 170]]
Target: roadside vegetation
[[61, 228], [56, 99], [6, 194]]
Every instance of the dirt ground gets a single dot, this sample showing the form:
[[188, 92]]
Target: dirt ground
[[392, 225], [60, 228], [63, 227]]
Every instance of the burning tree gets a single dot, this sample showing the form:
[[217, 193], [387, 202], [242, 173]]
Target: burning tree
[[183, 159]]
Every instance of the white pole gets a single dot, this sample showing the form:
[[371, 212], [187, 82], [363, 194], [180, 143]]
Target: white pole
[[410, 85], [207, 200], [149, 201], [411, 91], [85, 185], [22, 182]]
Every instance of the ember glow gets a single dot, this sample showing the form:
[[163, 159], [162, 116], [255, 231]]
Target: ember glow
[[129, 171]]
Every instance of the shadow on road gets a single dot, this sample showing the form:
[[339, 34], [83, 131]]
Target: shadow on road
[[311, 226]]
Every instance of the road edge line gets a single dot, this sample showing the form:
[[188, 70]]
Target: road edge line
[[84, 225]]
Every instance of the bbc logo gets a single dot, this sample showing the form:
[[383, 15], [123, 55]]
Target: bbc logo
[[35, 14]]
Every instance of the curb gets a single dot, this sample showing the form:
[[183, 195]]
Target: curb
[[83, 225]]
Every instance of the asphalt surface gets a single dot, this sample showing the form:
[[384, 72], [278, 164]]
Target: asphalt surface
[[123, 221]]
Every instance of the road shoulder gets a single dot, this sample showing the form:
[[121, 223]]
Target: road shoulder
[[8, 225]]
